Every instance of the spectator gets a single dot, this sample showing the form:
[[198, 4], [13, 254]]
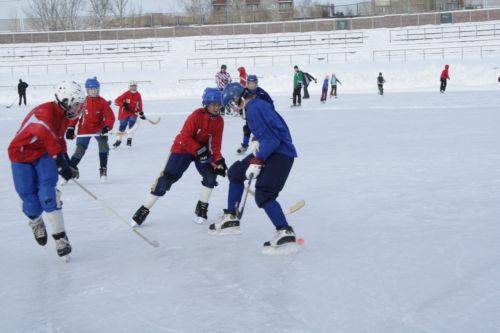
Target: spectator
[[21, 90]]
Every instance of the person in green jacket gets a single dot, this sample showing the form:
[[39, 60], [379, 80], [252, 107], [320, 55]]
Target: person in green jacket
[[298, 78]]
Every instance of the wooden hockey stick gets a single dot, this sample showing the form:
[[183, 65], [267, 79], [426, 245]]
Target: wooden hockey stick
[[289, 210]]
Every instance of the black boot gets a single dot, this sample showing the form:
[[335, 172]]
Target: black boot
[[62, 244], [129, 142], [201, 212], [117, 143], [140, 215]]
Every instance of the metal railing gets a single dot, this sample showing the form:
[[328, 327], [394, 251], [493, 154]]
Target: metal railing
[[333, 39], [457, 52], [324, 57], [85, 49], [442, 33], [73, 68]]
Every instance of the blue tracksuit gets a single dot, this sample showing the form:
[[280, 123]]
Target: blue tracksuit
[[276, 150]]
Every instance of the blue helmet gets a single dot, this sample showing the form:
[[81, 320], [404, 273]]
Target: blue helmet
[[92, 83], [211, 95], [232, 92], [252, 78]]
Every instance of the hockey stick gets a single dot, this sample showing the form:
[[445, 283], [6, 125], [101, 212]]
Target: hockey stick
[[153, 242], [289, 210], [154, 122], [239, 213], [11, 104]]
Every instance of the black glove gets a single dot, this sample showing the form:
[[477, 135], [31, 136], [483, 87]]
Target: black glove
[[66, 171], [70, 133], [142, 116], [220, 167], [105, 130], [126, 106], [203, 154]]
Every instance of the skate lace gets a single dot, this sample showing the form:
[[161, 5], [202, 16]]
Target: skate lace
[[61, 243], [39, 231]]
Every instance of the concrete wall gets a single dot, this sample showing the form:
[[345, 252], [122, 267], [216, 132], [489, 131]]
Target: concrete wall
[[389, 21]]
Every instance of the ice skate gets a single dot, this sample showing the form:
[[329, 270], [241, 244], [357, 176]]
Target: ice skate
[[103, 174], [62, 244], [201, 212], [242, 149], [129, 142], [140, 216], [39, 231], [283, 242], [228, 225], [117, 144]]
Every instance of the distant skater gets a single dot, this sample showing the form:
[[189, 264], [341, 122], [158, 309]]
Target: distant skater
[[380, 84], [444, 77]]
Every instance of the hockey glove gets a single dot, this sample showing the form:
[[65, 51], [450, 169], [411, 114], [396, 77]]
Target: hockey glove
[[105, 130], [126, 106], [254, 168], [220, 167], [70, 133], [142, 116], [203, 155], [69, 172]]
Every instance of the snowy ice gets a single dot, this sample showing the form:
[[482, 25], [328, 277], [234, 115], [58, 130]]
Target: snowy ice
[[401, 223]]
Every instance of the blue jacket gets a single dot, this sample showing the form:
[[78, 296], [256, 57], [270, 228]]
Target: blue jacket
[[269, 129], [325, 84]]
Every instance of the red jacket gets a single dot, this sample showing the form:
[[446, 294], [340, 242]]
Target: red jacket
[[444, 73], [134, 101], [243, 76], [200, 130], [42, 132], [96, 115]]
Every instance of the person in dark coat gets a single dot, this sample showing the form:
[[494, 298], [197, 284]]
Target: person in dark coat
[[307, 79], [21, 90]]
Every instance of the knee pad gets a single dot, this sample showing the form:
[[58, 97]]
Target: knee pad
[[246, 130], [236, 173], [209, 182], [262, 197], [49, 200], [31, 206], [162, 185], [79, 152]]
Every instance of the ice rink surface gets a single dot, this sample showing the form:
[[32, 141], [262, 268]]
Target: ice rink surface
[[401, 229]]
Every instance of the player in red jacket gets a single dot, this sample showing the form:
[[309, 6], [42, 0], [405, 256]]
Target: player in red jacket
[[130, 103], [243, 76], [98, 119], [36, 152], [444, 76], [200, 141]]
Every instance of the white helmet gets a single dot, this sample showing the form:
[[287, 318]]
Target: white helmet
[[132, 85], [70, 98]]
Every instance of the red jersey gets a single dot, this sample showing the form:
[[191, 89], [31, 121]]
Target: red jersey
[[243, 76], [42, 132], [96, 115], [200, 130], [134, 101], [444, 73]]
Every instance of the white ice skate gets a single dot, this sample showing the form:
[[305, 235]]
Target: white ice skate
[[103, 174], [282, 243], [62, 245], [228, 225], [200, 213]]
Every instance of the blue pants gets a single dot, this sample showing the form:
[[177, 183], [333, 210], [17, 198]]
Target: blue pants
[[35, 184], [130, 121], [174, 169], [268, 185]]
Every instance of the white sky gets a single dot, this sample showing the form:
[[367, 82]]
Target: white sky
[[13, 8]]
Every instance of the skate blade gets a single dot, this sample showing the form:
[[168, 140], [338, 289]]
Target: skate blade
[[284, 249], [199, 220], [134, 225], [66, 258], [225, 232], [104, 179]]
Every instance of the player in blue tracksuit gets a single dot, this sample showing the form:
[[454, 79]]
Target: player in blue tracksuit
[[252, 87], [269, 164]]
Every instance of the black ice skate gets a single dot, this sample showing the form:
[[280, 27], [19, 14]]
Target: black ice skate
[[129, 142], [242, 149], [62, 244], [140, 215], [283, 242], [117, 144], [201, 212], [39, 231], [228, 225]]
